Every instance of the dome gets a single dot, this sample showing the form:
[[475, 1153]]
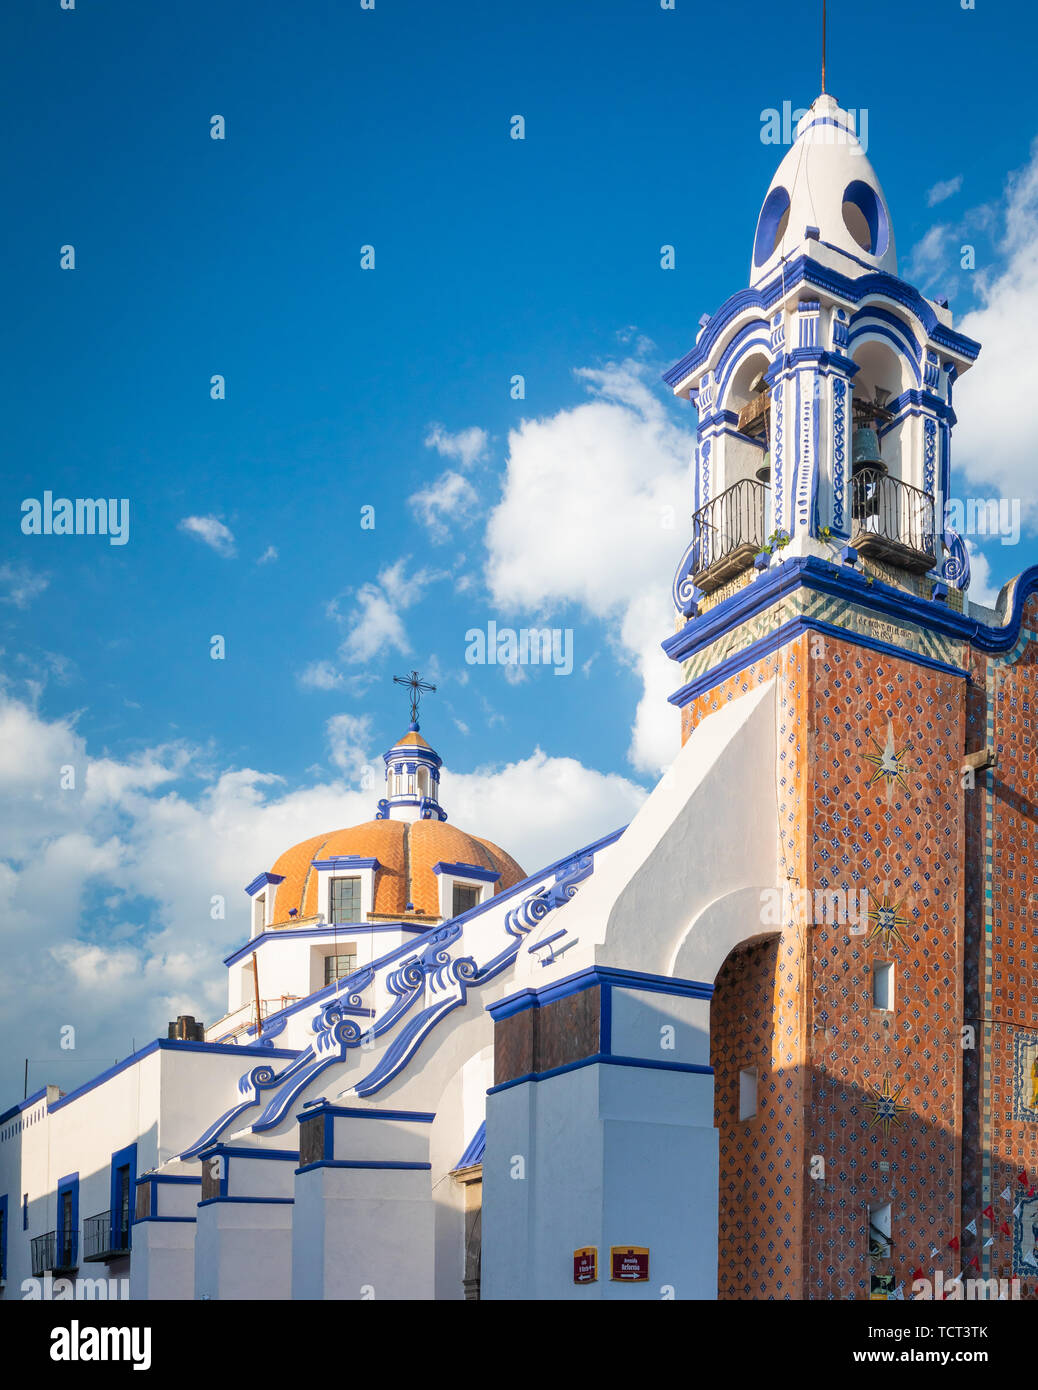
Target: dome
[[825, 182], [406, 853]]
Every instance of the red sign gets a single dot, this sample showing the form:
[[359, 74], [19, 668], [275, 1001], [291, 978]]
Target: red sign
[[630, 1263], [585, 1265]]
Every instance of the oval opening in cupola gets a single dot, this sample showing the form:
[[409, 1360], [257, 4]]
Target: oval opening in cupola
[[771, 225], [865, 217]]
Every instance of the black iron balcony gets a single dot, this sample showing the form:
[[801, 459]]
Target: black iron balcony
[[102, 1240], [54, 1256], [892, 520], [728, 533]]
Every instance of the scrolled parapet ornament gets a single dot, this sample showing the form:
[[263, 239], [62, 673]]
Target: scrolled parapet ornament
[[684, 592], [957, 560]]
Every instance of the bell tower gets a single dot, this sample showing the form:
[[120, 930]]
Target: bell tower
[[824, 389], [886, 1050]]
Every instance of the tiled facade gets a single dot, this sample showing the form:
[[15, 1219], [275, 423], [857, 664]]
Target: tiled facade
[[859, 1106]]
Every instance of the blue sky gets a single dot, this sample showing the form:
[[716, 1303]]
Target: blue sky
[[390, 388]]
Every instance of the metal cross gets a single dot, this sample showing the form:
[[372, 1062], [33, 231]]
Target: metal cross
[[418, 688]]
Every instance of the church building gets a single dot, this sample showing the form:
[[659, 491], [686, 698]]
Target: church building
[[777, 1038]]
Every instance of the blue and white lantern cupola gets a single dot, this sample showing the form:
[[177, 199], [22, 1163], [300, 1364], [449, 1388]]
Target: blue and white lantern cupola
[[412, 780], [824, 390]]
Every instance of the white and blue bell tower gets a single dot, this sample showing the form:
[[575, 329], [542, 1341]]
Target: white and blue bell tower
[[824, 388]]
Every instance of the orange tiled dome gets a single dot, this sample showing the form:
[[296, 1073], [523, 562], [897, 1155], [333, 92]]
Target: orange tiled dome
[[406, 852]]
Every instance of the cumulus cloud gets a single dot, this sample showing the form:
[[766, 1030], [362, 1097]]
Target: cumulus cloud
[[996, 404], [349, 736], [115, 886], [445, 505], [982, 589], [211, 531], [320, 675], [943, 189], [590, 514], [931, 258], [374, 625], [467, 447]]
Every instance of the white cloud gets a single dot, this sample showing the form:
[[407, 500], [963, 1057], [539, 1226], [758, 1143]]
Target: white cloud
[[271, 553], [348, 738], [591, 513], [996, 403], [320, 675], [211, 531], [375, 624], [466, 447], [541, 808], [22, 584], [982, 590], [445, 505], [945, 188], [931, 258]]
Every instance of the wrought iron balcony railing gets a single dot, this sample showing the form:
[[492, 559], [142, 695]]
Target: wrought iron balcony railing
[[892, 520], [104, 1241], [51, 1255], [727, 533]]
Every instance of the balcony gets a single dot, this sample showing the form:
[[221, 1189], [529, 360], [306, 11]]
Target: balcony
[[102, 1241], [53, 1256], [892, 521], [728, 532]]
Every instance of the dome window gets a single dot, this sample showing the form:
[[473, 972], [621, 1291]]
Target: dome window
[[771, 225], [344, 899], [865, 217]]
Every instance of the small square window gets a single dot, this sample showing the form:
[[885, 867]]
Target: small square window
[[465, 898], [747, 1093], [344, 900], [338, 967]]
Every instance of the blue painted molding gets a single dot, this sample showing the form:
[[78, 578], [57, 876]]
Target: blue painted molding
[[251, 1201], [764, 646], [600, 1059], [467, 871], [126, 1157], [23, 1105], [346, 861], [191, 1220], [843, 582], [361, 1163], [243, 1151], [352, 1112], [152, 1180], [805, 270], [69, 1183], [318, 934], [475, 1149], [593, 975], [173, 1045], [326, 1112], [261, 880]]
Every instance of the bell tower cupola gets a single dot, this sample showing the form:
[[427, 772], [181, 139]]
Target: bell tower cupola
[[412, 767], [823, 389]]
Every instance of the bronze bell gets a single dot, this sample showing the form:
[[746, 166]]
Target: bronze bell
[[865, 450], [764, 471]]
